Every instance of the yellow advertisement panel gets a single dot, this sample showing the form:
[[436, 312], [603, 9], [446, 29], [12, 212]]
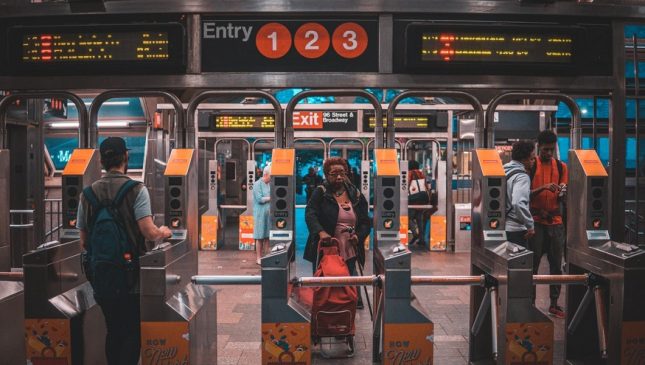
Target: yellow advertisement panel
[[408, 343], [438, 233], [48, 341], [633, 343], [164, 343], [529, 343], [286, 343], [403, 229], [208, 237], [247, 243]]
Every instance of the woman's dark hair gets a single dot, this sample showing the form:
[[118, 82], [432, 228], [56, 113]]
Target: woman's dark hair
[[112, 161], [413, 165], [522, 150], [547, 137], [334, 161]]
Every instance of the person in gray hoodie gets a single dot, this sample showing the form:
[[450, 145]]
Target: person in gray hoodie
[[519, 220]]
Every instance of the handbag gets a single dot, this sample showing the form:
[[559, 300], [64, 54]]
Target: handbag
[[418, 192]]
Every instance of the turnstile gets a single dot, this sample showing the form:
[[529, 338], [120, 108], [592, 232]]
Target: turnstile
[[177, 317], [401, 326], [613, 333], [63, 323], [505, 325]]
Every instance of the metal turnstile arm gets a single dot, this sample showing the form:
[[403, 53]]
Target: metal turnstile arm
[[582, 308], [601, 320], [493, 319], [481, 314]]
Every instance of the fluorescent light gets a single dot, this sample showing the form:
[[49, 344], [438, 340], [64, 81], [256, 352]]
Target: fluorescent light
[[106, 124], [108, 103], [63, 125]]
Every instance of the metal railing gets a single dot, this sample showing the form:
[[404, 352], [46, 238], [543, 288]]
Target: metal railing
[[53, 219]]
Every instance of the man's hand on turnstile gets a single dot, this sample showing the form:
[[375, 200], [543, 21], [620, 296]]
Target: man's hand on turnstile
[[165, 231], [530, 233]]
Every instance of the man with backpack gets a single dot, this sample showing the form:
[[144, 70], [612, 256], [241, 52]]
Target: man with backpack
[[115, 220], [519, 222], [549, 179]]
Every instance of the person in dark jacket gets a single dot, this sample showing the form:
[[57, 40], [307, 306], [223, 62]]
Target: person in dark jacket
[[337, 209]]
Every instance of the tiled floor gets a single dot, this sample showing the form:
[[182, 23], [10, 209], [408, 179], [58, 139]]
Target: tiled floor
[[239, 309]]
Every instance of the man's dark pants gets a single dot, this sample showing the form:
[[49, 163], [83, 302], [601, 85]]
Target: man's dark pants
[[549, 240], [122, 319], [517, 237]]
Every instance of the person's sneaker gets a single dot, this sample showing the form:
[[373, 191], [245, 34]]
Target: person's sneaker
[[360, 305], [556, 311]]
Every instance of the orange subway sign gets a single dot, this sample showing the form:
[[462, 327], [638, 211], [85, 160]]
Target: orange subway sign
[[490, 163], [179, 162], [590, 162], [283, 161], [79, 161], [387, 163]]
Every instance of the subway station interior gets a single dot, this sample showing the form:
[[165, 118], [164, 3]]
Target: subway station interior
[[210, 96]]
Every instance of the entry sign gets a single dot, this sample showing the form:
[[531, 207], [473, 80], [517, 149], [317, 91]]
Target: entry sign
[[325, 120], [325, 45]]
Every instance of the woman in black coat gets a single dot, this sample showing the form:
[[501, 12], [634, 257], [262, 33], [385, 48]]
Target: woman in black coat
[[326, 220]]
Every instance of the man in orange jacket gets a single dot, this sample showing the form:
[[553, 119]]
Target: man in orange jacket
[[549, 179]]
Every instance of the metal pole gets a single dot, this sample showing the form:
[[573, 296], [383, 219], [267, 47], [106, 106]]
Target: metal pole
[[576, 129], [78, 102], [203, 96], [181, 129], [561, 279], [580, 312], [378, 111], [493, 319], [636, 118], [11, 276], [449, 280], [470, 99], [481, 314], [593, 122], [335, 281], [601, 320], [227, 279]]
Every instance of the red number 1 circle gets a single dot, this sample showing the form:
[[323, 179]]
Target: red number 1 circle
[[349, 40], [273, 40]]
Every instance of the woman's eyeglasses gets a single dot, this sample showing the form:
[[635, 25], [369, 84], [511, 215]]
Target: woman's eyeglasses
[[337, 174]]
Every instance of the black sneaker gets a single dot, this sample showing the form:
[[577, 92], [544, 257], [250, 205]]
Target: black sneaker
[[359, 305]]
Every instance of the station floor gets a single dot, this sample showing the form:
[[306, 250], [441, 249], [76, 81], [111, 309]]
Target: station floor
[[239, 308]]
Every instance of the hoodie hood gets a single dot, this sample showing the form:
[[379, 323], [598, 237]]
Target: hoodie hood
[[512, 166]]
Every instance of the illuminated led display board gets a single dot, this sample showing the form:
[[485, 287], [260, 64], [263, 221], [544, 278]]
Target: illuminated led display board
[[243, 122], [328, 120], [484, 48], [156, 48], [464, 46], [430, 121]]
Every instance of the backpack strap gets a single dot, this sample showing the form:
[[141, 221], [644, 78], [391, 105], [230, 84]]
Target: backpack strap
[[123, 191], [88, 193], [558, 163]]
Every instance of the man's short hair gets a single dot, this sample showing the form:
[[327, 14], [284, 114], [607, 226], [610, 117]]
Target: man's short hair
[[522, 150], [112, 161], [547, 137], [413, 165]]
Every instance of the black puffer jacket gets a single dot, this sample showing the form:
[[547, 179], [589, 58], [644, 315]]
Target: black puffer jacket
[[322, 214]]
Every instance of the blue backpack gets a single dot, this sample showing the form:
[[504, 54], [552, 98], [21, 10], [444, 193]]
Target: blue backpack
[[111, 261]]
